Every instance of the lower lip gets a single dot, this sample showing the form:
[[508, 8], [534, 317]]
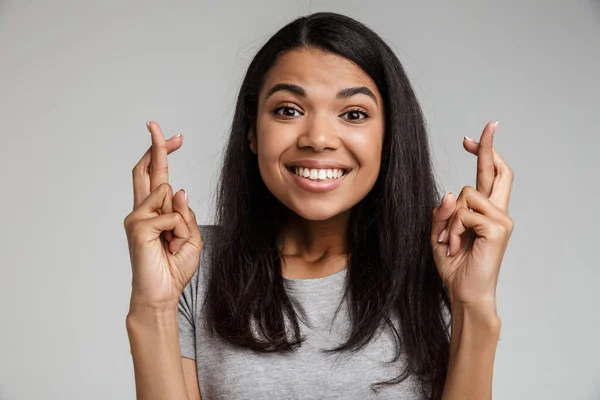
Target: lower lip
[[317, 186]]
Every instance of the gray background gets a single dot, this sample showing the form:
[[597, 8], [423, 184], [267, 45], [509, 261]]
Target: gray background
[[79, 79]]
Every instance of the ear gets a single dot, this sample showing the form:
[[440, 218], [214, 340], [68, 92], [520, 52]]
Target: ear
[[252, 140]]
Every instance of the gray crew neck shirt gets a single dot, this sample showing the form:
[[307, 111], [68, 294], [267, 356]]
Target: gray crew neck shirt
[[230, 372]]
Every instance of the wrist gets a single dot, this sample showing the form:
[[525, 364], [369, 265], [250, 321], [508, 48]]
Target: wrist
[[484, 309], [139, 304], [141, 313], [482, 317]]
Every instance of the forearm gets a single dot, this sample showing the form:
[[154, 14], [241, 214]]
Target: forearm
[[154, 340], [475, 332]]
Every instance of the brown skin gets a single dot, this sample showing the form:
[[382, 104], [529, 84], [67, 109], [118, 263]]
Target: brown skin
[[314, 244], [469, 237], [477, 228], [318, 126], [158, 275]]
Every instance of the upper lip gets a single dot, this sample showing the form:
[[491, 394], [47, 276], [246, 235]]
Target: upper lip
[[318, 164]]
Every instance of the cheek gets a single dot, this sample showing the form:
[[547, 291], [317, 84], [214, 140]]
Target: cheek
[[272, 143], [367, 148]]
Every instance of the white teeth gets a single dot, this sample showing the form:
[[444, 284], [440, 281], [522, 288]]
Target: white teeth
[[318, 174]]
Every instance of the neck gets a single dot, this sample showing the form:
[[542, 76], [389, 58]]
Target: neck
[[315, 247]]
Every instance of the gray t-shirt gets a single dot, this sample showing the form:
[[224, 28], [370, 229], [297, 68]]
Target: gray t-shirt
[[229, 372]]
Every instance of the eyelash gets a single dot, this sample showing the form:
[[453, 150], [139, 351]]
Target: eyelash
[[366, 115]]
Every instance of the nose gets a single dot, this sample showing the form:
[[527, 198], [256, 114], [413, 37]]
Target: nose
[[319, 134]]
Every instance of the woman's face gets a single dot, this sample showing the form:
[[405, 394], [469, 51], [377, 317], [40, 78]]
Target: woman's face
[[319, 133]]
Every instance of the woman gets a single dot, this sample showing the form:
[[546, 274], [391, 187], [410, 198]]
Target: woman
[[333, 267]]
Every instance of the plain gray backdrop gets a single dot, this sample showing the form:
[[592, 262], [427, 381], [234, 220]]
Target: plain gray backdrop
[[79, 79]]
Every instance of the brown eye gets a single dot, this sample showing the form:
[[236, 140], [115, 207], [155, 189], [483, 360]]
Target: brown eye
[[287, 111], [355, 115]]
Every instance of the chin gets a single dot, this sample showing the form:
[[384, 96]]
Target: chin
[[316, 211]]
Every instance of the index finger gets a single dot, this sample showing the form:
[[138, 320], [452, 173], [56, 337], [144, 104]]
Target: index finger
[[485, 160], [159, 166]]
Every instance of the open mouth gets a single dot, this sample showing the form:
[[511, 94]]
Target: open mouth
[[319, 174]]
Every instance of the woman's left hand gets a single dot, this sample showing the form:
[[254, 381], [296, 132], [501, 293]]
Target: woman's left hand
[[476, 228]]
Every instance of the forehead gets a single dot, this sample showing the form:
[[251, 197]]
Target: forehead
[[317, 70]]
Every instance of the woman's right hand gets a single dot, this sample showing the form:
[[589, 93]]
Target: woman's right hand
[[162, 265]]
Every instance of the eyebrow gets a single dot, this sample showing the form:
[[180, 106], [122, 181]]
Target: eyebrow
[[342, 94]]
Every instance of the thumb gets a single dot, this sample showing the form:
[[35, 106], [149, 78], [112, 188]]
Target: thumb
[[441, 214]]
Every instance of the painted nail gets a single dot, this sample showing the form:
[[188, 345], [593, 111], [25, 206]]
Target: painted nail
[[469, 139], [442, 236]]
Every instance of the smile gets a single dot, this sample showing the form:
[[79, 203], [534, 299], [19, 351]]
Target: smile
[[317, 179], [315, 174]]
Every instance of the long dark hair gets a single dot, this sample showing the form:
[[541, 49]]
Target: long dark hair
[[391, 269]]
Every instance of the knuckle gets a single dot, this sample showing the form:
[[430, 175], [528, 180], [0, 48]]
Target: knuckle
[[166, 188], [510, 224], [160, 168], [486, 169], [178, 218], [465, 191], [137, 170], [161, 145], [510, 173], [462, 213], [127, 222]]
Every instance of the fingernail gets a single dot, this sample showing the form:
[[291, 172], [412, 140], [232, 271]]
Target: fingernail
[[444, 198], [175, 252], [174, 136], [448, 252], [185, 195], [469, 139], [442, 235], [496, 126], [148, 125]]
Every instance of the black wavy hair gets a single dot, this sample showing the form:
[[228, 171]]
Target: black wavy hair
[[391, 270]]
